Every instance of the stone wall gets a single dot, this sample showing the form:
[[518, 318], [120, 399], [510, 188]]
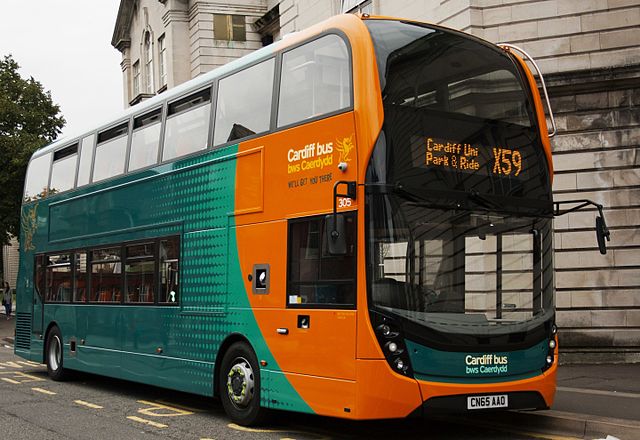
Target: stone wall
[[597, 156]]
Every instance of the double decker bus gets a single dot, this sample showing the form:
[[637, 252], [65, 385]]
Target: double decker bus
[[354, 222]]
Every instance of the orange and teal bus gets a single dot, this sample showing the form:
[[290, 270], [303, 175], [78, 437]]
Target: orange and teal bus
[[355, 221]]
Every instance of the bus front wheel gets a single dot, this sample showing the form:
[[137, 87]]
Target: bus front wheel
[[239, 385], [54, 355]]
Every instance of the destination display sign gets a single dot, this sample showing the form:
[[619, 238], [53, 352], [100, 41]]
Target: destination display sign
[[451, 155]]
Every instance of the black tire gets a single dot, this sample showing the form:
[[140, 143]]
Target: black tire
[[239, 385], [53, 354]]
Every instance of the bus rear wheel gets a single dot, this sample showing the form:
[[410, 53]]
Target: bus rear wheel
[[54, 355], [239, 385]]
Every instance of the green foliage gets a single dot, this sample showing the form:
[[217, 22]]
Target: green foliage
[[28, 120]]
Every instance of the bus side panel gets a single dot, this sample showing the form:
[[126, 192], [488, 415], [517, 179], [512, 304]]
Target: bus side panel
[[29, 341], [98, 330], [300, 167], [243, 319]]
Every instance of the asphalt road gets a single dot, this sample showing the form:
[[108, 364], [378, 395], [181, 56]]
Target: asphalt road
[[94, 407]]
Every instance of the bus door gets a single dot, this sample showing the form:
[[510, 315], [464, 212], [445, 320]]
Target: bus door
[[321, 299], [37, 312]]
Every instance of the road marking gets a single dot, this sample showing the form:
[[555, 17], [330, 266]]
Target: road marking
[[540, 436], [10, 364], [29, 363], [155, 408], [147, 422], [43, 391], [20, 375], [88, 404], [177, 405], [15, 382], [287, 431], [599, 392]]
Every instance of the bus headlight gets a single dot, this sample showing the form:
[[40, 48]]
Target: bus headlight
[[552, 344], [388, 332]]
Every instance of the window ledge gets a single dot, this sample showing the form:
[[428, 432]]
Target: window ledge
[[140, 97]]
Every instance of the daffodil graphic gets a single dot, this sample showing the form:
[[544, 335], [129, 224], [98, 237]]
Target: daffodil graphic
[[345, 147]]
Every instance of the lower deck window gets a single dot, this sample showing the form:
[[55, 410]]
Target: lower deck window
[[58, 278], [126, 273]]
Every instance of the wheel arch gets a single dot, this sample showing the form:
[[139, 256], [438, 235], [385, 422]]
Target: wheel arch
[[51, 325], [228, 342]]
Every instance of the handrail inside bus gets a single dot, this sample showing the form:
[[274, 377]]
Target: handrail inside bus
[[554, 130]]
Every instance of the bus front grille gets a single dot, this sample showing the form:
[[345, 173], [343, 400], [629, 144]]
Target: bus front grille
[[23, 331]]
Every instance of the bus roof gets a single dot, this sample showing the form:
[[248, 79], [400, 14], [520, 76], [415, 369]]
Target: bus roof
[[198, 82]]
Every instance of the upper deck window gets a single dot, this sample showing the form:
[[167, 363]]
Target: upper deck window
[[86, 157], [316, 80], [37, 178], [63, 172], [145, 140], [111, 152], [244, 103], [187, 126]]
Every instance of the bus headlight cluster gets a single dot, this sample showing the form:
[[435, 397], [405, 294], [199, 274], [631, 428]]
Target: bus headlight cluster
[[552, 344], [389, 335]]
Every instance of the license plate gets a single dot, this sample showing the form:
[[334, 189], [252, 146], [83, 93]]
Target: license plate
[[484, 402]]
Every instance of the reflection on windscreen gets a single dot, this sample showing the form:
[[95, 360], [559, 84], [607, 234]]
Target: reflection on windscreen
[[466, 269]]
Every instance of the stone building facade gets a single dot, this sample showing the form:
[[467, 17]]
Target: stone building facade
[[589, 52], [10, 261]]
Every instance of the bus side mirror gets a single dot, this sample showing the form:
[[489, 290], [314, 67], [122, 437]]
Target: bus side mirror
[[602, 233], [334, 230]]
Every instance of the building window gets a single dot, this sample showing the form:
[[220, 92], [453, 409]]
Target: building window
[[148, 62], [162, 51], [136, 78], [229, 27], [357, 6]]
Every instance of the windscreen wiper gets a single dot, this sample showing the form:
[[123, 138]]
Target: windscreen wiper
[[411, 197], [481, 199]]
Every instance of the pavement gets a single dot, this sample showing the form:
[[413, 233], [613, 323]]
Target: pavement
[[593, 401]]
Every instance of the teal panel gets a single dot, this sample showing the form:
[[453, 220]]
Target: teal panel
[[205, 270], [476, 367], [172, 347]]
